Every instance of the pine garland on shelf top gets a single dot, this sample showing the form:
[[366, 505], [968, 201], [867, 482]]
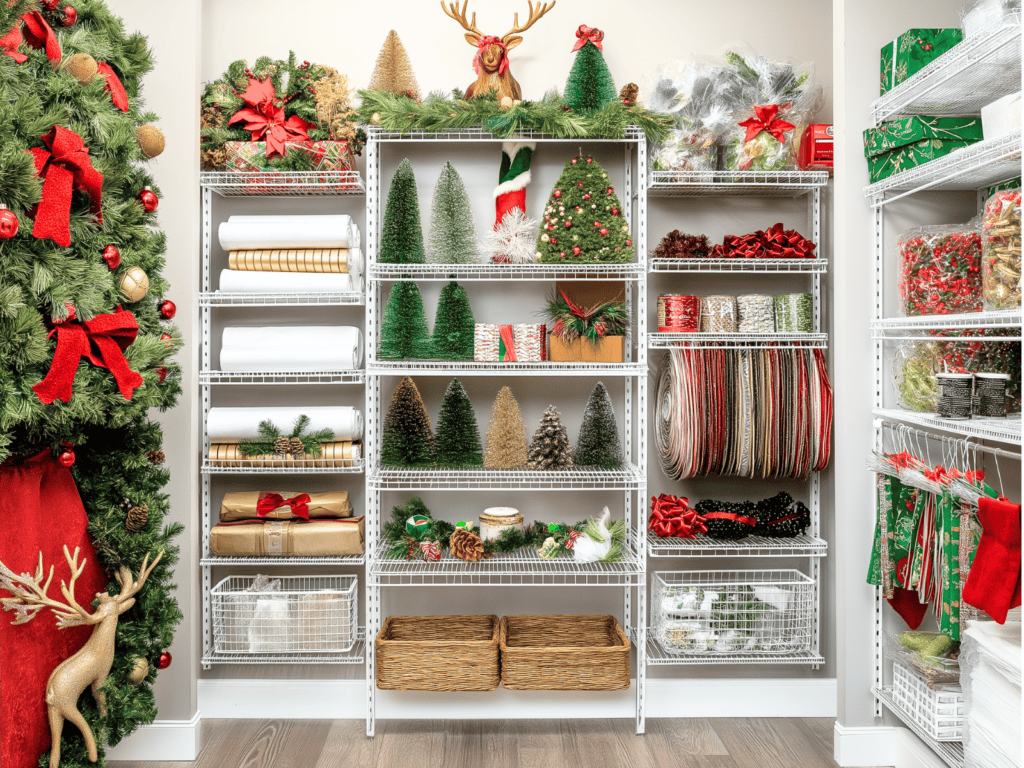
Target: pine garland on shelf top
[[571, 321], [407, 439], [401, 239], [454, 325], [271, 441], [452, 229], [599, 444], [403, 332], [458, 438]]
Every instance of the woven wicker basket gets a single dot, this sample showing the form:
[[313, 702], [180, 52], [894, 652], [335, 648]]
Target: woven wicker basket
[[438, 653], [564, 653]]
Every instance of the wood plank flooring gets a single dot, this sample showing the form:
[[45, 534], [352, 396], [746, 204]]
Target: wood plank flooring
[[668, 743]]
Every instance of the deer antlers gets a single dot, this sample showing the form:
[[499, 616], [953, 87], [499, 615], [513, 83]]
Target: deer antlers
[[124, 577], [534, 18], [473, 34], [453, 11]]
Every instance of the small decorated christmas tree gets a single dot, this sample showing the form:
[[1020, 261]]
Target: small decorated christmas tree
[[407, 439], [506, 434], [550, 448], [403, 332], [590, 85], [599, 444], [458, 439], [452, 229], [453, 325], [401, 240], [393, 72], [583, 221]]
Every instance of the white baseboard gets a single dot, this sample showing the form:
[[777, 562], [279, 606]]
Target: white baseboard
[[171, 740], [346, 699], [882, 745]]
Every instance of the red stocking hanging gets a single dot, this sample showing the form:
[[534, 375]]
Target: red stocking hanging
[[994, 581]]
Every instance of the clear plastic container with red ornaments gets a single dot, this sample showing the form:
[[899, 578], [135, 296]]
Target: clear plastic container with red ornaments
[[940, 270]]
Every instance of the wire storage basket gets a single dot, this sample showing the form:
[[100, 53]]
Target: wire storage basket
[[714, 613], [437, 653], [285, 614], [939, 712]]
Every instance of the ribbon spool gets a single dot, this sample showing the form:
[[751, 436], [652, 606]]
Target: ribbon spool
[[718, 314], [679, 314]]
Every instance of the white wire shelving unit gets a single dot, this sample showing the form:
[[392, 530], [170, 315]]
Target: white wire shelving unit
[[735, 183], [726, 266], [951, 752], [1006, 430], [574, 479], [313, 184], [897, 328], [437, 368], [528, 272], [663, 340], [804, 545], [657, 656]]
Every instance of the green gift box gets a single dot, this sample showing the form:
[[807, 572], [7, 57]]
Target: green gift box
[[913, 51], [911, 130], [910, 156]]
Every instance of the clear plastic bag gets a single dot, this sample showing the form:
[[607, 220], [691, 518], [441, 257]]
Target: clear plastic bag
[[1001, 264], [937, 670], [687, 150], [914, 367], [940, 270], [987, 14]]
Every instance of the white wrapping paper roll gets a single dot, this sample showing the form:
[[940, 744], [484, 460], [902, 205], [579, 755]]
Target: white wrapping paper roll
[[239, 281], [228, 425], [265, 345], [240, 233], [299, 219]]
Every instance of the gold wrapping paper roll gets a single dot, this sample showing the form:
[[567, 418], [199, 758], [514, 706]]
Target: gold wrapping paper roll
[[285, 538], [243, 506], [334, 454], [311, 260]]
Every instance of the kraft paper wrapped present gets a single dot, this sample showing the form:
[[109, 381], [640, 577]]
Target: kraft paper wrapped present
[[283, 538], [894, 134], [252, 505], [324, 156], [911, 52]]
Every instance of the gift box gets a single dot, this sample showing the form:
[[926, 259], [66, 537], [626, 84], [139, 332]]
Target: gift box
[[911, 52], [251, 505], [816, 148], [522, 343], [282, 538], [912, 155], [608, 349], [896, 134], [324, 156]]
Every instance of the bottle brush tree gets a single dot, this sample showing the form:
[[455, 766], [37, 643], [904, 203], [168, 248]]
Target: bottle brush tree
[[393, 71], [550, 448], [506, 434], [401, 239], [453, 325], [403, 332], [452, 229], [458, 439], [590, 85], [599, 444], [407, 439]]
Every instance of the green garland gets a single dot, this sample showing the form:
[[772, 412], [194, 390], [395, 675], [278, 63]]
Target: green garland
[[549, 116], [270, 433], [571, 322]]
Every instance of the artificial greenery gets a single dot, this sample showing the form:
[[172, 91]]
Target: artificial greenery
[[452, 230], [550, 116], [270, 437], [458, 437], [403, 333], [599, 444], [454, 326], [590, 85], [571, 321], [401, 240]]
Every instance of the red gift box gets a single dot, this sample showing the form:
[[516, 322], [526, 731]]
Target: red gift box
[[816, 148]]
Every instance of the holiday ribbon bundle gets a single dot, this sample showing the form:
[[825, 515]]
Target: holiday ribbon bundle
[[773, 243], [672, 516], [940, 270]]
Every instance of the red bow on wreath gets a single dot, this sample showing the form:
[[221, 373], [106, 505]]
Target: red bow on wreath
[[64, 167], [113, 86], [103, 341], [37, 33], [271, 501], [766, 119], [265, 119], [11, 42], [586, 35]]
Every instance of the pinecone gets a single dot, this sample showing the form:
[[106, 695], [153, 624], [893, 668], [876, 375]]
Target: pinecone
[[281, 446], [137, 518], [156, 457], [628, 94], [295, 446], [466, 545]]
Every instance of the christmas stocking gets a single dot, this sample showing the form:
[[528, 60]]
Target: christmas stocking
[[514, 235], [994, 581], [906, 603]]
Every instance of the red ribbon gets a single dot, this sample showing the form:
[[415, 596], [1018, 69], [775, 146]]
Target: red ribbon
[[482, 45], [570, 541], [11, 42], [113, 86], [766, 119], [775, 243], [103, 341], [264, 118], [508, 338], [271, 501], [731, 516], [64, 167], [586, 35], [672, 516], [39, 34]]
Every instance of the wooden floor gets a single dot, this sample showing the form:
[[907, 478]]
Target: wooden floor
[[725, 743]]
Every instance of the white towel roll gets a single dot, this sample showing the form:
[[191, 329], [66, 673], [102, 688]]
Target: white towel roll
[[229, 425], [320, 342], [240, 281], [282, 232]]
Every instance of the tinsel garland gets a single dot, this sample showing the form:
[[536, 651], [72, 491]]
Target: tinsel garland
[[550, 116]]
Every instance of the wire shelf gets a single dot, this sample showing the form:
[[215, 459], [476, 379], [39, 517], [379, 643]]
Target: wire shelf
[[966, 78], [656, 655], [281, 377], [223, 299], [1006, 430], [736, 340], [212, 468], [440, 368], [752, 546], [891, 327], [522, 567], [972, 167], [737, 265], [217, 560], [290, 184], [573, 479], [735, 183], [531, 272], [354, 656], [951, 752], [633, 134]]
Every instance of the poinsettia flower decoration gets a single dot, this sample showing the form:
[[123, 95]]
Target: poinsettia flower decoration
[[264, 117]]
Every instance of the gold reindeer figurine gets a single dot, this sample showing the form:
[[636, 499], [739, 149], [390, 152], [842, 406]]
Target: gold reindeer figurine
[[491, 60], [91, 665]]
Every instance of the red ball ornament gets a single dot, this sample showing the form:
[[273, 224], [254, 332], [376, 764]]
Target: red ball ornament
[[615, 211], [167, 309], [568, 224], [577, 208], [165, 337], [561, 255], [149, 200], [70, 16], [558, 193], [603, 231], [112, 256], [165, 660], [574, 160], [161, 373], [629, 242], [610, 191], [576, 250], [8, 223], [597, 223], [66, 458], [554, 241], [51, 5], [579, 185], [590, 159], [586, 196]]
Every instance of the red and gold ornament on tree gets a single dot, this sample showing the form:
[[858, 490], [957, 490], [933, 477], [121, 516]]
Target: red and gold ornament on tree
[[66, 457], [168, 309], [70, 16], [165, 660], [112, 257]]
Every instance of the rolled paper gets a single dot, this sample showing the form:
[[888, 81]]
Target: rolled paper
[[333, 454], [245, 281], [283, 232], [246, 505], [291, 348], [318, 260], [229, 425]]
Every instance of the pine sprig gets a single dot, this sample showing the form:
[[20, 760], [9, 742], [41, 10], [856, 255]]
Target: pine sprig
[[571, 322], [270, 433]]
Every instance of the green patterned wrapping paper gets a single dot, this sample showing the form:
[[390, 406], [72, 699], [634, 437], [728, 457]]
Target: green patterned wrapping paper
[[794, 313], [911, 52], [912, 155], [894, 134]]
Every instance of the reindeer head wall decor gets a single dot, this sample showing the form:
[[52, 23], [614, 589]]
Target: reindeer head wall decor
[[91, 665], [491, 61]]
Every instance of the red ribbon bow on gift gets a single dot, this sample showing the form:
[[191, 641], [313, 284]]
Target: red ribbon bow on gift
[[38, 34], [482, 45], [64, 167], [766, 119], [265, 119], [103, 341], [271, 501], [673, 516], [586, 35], [431, 550], [113, 86]]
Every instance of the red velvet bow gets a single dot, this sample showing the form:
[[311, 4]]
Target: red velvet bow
[[271, 501], [586, 35], [775, 243], [39, 34], [11, 42], [672, 516], [265, 119], [65, 166], [103, 341], [766, 119], [485, 42], [113, 86]]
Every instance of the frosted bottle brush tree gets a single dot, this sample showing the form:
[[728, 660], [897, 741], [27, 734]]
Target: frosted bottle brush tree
[[452, 229], [407, 439], [599, 444]]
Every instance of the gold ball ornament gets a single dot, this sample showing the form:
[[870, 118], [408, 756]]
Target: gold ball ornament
[[82, 67], [139, 672], [134, 284], [506, 102], [151, 140], [375, 118]]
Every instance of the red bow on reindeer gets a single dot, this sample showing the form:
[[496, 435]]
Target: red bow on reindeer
[[766, 119], [64, 167], [586, 35], [264, 117], [485, 42]]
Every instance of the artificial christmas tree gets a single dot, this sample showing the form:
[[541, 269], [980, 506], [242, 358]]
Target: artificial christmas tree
[[403, 332], [583, 219], [513, 239], [599, 444], [590, 85], [453, 325], [550, 448], [407, 439], [392, 72], [401, 240], [506, 434], [452, 230], [458, 439]]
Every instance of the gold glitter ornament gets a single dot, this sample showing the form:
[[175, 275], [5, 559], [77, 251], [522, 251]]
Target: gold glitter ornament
[[139, 672], [134, 285], [151, 140], [82, 67]]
